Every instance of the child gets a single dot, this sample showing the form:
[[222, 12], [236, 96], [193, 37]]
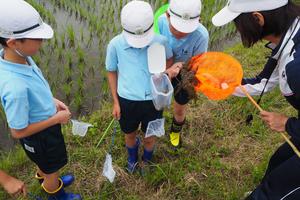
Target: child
[[187, 38], [129, 77], [32, 113]]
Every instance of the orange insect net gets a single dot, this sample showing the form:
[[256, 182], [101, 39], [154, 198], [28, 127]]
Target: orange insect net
[[218, 74]]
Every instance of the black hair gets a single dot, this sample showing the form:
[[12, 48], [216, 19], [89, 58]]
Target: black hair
[[276, 22], [3, 41]]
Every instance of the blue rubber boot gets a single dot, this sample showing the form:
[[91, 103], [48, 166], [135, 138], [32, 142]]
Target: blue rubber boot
[[146, 158], [60, 194], [67, 179], [132, 160]]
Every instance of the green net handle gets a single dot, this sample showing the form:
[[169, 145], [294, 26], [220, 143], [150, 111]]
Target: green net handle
[[158, 13]]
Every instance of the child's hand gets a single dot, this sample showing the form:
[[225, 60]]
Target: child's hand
[[60, 105], [174, 70], [14, 187], [63, 116], [116, 111]]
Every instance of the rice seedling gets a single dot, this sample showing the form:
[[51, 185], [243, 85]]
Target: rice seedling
[[80, 55], [63, 40], [71, 36]]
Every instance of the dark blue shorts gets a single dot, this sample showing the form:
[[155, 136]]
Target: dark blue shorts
[[136, 113], [46, 149]]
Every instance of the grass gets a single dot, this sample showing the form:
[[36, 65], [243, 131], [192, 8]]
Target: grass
[[221, 158]]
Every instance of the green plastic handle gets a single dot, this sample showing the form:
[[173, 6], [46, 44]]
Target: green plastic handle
[[158, 13]]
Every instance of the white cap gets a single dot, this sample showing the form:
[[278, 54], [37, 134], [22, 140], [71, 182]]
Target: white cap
[[236, 7], [185, 15], [137, 21], [18, 20]]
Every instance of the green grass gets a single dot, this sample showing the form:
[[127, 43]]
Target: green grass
[[221, 158]]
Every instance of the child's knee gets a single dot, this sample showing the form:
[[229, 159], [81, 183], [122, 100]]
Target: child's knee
[[149, 142], [130, 136]]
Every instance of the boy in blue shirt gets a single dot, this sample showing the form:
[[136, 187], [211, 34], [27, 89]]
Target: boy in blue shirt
[[187, 38], [129, 77], [32, 113]]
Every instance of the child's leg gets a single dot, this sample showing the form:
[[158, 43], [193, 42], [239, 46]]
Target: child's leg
[[132, 145], [129, 123], [179, 112], [177, 123], [130, 139], [39, 171], [150, 114], [39, 175], [67, 179], [54, 187], [149, 144], [51, 182]]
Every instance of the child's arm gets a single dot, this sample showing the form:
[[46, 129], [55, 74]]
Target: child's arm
[[174, 70], [112, 81], [12, 185], [61, 117], [170, 62]]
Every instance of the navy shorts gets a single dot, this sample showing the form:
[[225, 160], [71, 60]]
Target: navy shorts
[[46, 149], [134, 113]]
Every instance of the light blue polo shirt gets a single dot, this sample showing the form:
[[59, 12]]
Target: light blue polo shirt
[[131, 64], [183, 49], [25, 94]]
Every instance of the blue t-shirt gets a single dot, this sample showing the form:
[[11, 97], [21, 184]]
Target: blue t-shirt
[[131, 64], [25, 94], [183, 49]]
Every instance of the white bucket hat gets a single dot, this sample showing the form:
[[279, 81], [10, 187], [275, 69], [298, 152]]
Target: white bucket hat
[[185, 15], [137, 21], [18, 20], [236, 7]]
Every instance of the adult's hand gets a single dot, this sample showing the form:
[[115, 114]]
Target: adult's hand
[[275, 121]]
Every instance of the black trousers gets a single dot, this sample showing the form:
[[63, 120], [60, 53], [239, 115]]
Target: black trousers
[[282, 178]]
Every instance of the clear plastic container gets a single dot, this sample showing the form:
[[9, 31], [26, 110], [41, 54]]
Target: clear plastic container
[[162, 91]]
